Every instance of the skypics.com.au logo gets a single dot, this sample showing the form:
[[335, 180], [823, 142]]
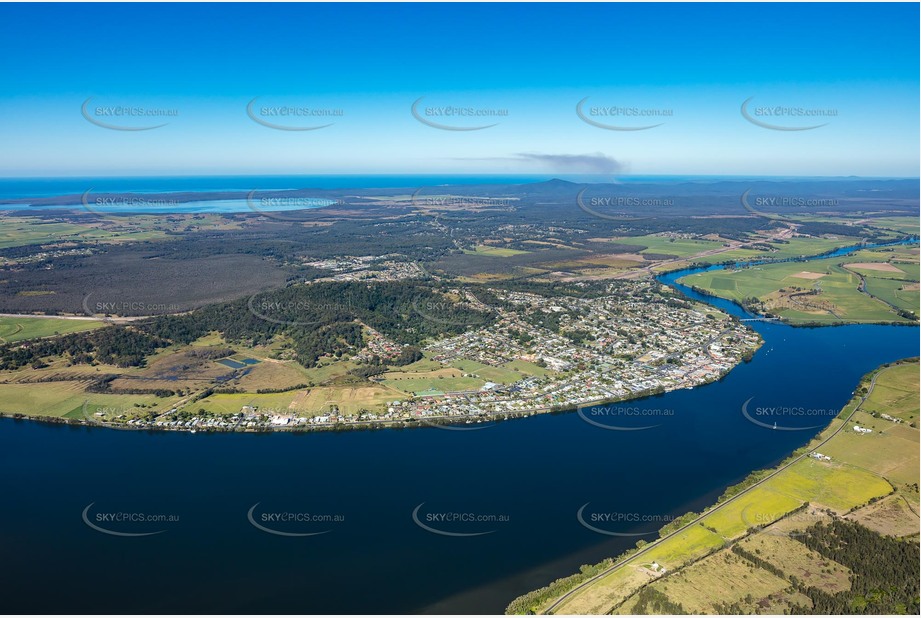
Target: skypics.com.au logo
[[291, 117], [289, 209], [127, 523], [623, 417], [456, 523], [779, 117], [125, 117], [782, 417], [292, 523], [771, 206], [298, 312], [621, 117], [620, 207], [122, 205], [620, 523], [454, 117], [104, 308]]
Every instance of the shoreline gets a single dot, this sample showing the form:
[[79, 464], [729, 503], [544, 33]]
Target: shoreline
[[451, 423], [571, 584], [786, 322], [442, 422], [842, 251]]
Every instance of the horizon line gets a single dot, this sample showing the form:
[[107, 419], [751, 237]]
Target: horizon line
[[456, 174]]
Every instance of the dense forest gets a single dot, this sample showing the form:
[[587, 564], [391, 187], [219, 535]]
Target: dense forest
[[319, 319], [651, 601], [886, 570], [115, 345], [324, 318]]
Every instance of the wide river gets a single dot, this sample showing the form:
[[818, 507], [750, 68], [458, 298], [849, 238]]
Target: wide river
[[529, 476]]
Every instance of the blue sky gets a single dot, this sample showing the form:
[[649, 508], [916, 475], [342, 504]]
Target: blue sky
[[691, 66]]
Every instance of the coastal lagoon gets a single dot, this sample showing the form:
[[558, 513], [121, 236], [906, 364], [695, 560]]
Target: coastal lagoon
[[139, 205]]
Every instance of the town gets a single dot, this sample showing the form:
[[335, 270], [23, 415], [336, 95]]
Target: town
[[633, 340]]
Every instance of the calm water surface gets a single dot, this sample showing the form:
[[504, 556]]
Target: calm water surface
[[535, 473]]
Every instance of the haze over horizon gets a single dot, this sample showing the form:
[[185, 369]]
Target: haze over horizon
[[365, 76], [520, 177]]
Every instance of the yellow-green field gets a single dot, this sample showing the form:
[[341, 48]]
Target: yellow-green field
[[440, 380], [871, 476], [796, 560], [839, 486], [19, 230], [306, 402], [349, 399], [679, 247], [527, 368], [494, 251], [66, 400], [906, 225], [500, 375], [690, 543], [897, 440], [689, 247], [721, 578], [897, 396], [20, 329], [764, 505]]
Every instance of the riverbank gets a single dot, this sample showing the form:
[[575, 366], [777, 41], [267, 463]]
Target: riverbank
[[453, 423], [829, 293], [211, 480], [751, 506], [570, 584]]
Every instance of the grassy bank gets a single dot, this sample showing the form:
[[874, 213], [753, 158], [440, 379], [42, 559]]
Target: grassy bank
[[870, 478]]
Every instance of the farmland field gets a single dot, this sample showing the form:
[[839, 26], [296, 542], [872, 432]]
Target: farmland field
[[63, 399], [769, 516], [499, 375], [495, 251], [442, 381], [720, 578], [18, 231], [897, 394], [795, 560], [821, 291], [20, 329], [679, 247]]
